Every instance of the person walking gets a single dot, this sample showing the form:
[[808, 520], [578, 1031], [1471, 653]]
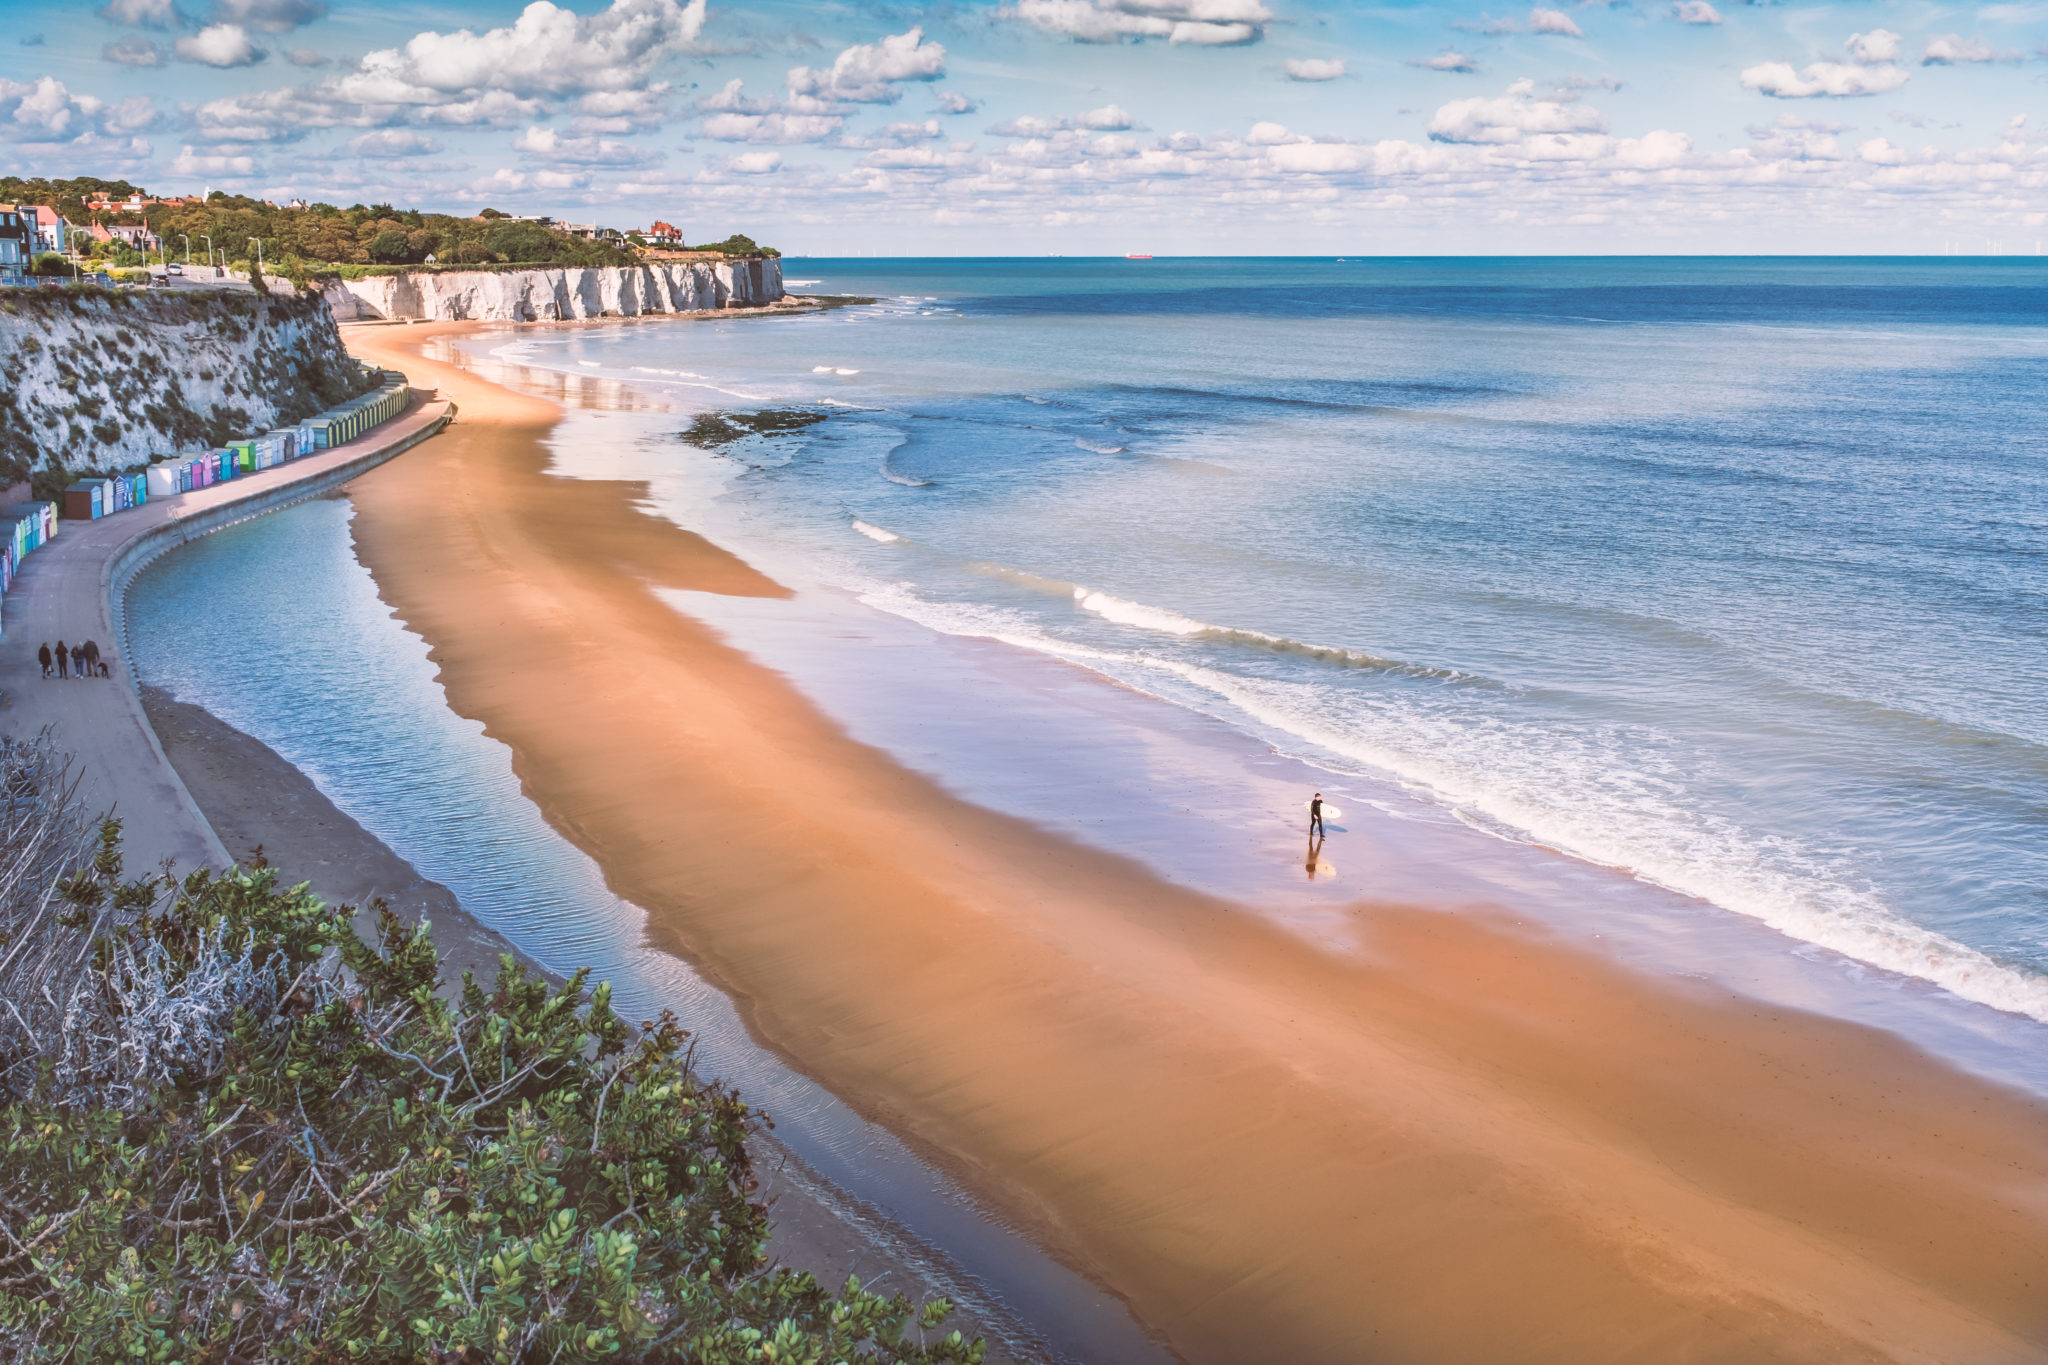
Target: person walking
[[1315, 816], [78, 661], [43, 657], [63, 661], [92, 659]]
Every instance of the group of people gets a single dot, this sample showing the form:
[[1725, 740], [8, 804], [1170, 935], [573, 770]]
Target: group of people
[[76, 661]]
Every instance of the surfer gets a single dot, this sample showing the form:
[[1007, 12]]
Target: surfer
[[1315, 816]]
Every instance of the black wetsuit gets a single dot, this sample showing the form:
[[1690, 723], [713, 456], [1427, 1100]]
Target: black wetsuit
[[1315, 816]]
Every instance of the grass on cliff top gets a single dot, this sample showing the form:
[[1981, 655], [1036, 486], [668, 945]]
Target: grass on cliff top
[[232, 1128]]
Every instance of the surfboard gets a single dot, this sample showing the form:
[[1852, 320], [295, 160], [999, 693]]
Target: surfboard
[[1330, 812]]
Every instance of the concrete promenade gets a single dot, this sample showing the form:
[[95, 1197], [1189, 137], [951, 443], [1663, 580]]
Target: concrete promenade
[[72, 588]]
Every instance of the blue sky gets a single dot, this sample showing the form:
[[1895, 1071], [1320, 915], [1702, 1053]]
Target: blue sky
[[1080, 126]]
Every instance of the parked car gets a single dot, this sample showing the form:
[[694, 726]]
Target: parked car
[[175, 269]]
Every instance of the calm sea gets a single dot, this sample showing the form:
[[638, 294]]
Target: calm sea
[[1728, 577]]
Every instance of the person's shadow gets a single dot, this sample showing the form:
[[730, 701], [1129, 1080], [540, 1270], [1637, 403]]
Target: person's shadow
[[1315, 862]]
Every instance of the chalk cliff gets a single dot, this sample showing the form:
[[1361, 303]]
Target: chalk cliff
[[99, 380], [553, 293]]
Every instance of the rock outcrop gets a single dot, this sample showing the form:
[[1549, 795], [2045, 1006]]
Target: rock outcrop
[[99, 380], [555, 293]]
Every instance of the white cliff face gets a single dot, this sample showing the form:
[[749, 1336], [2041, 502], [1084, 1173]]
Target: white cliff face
[[554, 293]]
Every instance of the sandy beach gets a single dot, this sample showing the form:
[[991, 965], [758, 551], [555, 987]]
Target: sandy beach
[[1463, 1143], [257, 802]]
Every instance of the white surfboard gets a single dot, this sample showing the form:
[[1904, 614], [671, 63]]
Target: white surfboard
[[1330, 812]]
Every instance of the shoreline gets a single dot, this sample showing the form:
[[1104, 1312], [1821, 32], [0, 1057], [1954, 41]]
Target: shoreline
[[255, 798], [1266, 1147]]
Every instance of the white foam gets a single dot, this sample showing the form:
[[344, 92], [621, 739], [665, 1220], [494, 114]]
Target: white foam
[[830, 369], [1606, 798], [1610, 800], [790, 282], [591, 364], [1099, 450], [875, 532], [1127, 613]]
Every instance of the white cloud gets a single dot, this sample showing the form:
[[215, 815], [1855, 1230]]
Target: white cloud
[[1109, 118], [392, 142], [1840, 79], [754, 163], [1952, 49], [1870, 71], [1878, 45], [1793, 139], [1695, 12], [868, 73], [1314, 69], [1205, 23], [193, 163], [1658, 150], [774, 128], [143, 13], [1554, 21], [953, 102], [222, 45], [268, 16], [1880, 152], [44, 111], [1448, 60], [136, 114], [133, 51], [1511, 117], [498, 79], [732, 99], [549, 147], [547, 51], [305, 56], [622, 111]]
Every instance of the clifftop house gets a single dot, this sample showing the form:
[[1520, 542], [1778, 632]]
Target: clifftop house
[[17, 245]]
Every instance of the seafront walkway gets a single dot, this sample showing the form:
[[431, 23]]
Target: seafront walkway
[[72, 589]]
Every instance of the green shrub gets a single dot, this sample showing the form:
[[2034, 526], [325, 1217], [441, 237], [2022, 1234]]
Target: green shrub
[[232, 1127]]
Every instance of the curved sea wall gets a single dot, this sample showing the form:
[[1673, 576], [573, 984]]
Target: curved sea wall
[[553, 293]]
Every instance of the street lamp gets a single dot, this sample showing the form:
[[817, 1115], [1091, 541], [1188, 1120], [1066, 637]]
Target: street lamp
[[257, 242], [188, 249], [209, 250]]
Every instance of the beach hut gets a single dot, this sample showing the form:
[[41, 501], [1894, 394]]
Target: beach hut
[[162, 480], [43, 517], [82, 501], [138, 489]]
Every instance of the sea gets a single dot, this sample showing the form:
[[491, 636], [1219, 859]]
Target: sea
[[1692, 610], [1730, 576]]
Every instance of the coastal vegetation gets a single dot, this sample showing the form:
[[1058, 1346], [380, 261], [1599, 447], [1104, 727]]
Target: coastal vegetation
[[306, 241], [231, 1127], [104, 379]]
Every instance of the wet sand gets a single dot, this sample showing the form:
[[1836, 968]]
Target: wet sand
[[256, 801], [1463, 1143]]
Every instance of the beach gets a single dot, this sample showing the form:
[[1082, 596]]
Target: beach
[[1463, 1140]]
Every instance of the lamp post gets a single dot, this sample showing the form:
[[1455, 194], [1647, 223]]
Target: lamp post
[[257, 242], [188, 249], [209, 250]]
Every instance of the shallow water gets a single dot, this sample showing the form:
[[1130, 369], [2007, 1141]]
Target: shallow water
[[330, 680], [1729, 575]]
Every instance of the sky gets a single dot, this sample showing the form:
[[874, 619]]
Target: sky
[[1079, 127]]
